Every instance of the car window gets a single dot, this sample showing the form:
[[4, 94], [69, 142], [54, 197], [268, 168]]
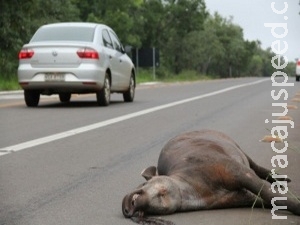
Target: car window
[[116, 41], [106, 39], [64, 33]]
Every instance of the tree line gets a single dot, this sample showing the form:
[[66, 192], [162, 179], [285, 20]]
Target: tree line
[[186, 34]]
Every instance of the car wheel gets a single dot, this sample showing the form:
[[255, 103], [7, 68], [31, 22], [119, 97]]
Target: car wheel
[[65, 97], [32, 98], [128, 96], [103, 96], [297, 78]]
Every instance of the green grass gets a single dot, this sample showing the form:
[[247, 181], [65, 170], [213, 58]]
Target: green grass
[[161, 76], [143, 75], [9, 84]]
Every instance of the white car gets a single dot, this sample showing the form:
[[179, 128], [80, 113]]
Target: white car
[[66, 58]]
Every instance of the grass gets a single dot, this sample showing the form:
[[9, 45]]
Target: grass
[[143, 76], [9, 84]]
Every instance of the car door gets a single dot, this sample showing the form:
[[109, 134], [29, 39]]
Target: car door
[[122, 67], [113, 61]]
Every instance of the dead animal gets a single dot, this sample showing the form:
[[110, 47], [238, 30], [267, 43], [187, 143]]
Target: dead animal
[[202, 170]]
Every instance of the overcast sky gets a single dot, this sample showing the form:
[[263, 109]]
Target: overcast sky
[[252, 14]]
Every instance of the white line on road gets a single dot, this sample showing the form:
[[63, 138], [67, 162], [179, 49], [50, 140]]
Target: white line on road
[[54, 137]]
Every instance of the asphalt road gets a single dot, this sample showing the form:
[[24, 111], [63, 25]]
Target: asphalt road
[[71, 164]]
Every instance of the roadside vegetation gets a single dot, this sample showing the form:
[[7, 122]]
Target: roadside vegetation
[[143, 76], [147, 75], [7, 84], [193, 43]]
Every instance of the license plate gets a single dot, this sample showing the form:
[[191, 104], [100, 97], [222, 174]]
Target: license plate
[[54, 77]]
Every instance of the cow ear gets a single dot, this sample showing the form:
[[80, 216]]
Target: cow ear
[[149, 172]]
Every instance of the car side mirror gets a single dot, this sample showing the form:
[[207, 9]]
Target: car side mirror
[[128, 49]]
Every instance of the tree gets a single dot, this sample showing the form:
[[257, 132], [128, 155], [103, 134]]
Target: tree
[[187, 36], [226, 50], [155, 22], [13, 17], [231, 37], [186, 16], [122, 16], [19, 21], [255, 67], [202, 48]]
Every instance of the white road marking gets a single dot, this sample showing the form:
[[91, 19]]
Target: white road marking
[[69, 133]]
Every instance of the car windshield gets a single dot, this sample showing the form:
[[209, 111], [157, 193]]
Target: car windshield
[[64, 33]]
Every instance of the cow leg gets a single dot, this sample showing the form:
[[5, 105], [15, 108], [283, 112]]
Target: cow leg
[[241, 198], [264, 173], [254, 184]]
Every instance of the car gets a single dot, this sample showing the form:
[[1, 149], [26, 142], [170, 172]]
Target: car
[[298, 70], [75, 58]]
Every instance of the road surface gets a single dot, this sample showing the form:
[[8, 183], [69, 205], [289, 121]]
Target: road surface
[[72, 164]]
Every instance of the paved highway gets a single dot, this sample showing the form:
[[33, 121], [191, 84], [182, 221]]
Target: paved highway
[[71, 164]]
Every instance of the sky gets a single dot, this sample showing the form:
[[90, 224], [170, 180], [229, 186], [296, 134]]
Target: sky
[[251, 15]]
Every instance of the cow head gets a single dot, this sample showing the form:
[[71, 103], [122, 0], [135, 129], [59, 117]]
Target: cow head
[[158, 195]]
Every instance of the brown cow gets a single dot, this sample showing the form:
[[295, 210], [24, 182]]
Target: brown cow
[[203, 170]]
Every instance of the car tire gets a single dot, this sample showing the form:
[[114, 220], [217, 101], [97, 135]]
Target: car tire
[[32, 98], [65, 97], [297, 78], [128, 96], [103, 96]]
